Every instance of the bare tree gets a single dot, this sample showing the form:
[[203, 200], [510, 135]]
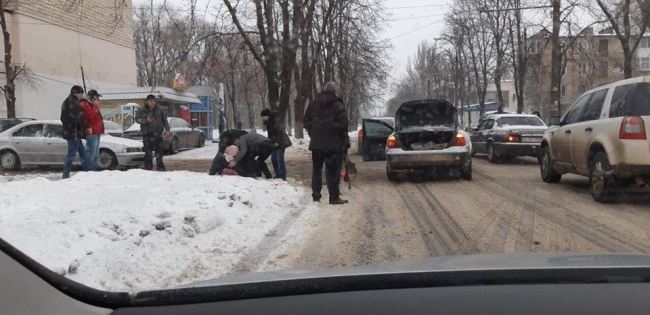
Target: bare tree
[[629, 25]]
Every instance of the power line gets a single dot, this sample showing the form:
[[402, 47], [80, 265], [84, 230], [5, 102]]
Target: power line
[[417, 6], [417, 29], [415, 17]]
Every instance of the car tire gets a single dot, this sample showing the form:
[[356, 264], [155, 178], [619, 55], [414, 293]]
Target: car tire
[[548, 172], [466, 173], [201, 141], [604, 189], [106, 160], [173, 147], [391, 175], [9, 160], [492, 155]]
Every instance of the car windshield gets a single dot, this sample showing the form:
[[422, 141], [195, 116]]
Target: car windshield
[[294, 137], [520, 121]]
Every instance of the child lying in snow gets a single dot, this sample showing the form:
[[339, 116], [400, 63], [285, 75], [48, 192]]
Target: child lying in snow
[[229, 155]]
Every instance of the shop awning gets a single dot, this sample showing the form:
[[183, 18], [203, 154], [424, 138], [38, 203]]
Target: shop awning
[[140, 93]]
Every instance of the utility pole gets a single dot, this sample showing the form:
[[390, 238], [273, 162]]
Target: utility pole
[[428, 87], [556, 57]]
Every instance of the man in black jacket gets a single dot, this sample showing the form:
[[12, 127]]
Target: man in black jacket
[[280, 141], [326, 122], [154, 126], [74, 129]]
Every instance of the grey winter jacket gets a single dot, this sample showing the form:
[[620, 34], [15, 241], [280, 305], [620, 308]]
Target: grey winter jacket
[[249, 143], [155, 127]]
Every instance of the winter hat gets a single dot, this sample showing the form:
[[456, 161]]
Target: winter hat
[[265, 112], [229, 171], [232, 150], [150, 97], [76, 90]]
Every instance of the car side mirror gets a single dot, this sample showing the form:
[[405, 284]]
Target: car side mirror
[[555, 121]]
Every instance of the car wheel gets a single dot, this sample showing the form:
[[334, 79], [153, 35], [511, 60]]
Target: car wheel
[[549, 173], [9, 160], [492, 154], [173, 148], [604, 188], [392, 175], [466, 172], [201, 141], [106, 160]]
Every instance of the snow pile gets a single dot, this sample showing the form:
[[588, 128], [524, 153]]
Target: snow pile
[[205, 153], [138, 230], [17, 177]]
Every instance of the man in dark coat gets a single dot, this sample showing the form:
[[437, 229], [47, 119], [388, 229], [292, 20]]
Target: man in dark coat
[[74, 129], [280, 141], [154, 126], [255, 148], [326, 122]]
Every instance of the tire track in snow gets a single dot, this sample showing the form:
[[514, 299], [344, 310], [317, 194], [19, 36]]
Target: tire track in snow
[[436, 246]]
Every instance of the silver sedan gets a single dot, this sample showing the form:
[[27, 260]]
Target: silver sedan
[[41, 143]]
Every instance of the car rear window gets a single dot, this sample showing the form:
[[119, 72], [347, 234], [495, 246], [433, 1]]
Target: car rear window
[[630, 100], [519, 121], [376, 129]]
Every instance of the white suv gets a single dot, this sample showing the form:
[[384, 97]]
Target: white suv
[[603, 136]]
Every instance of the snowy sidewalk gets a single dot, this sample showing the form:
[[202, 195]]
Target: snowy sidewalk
[[138, 230]]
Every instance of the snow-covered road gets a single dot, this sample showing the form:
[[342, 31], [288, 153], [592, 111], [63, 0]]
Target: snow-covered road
[[138, 230]]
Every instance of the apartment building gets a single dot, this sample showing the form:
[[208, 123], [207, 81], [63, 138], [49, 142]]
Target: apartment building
[[591, 60], [54, 38]]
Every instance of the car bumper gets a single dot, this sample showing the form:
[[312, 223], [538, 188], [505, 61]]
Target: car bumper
[[518, 149], [130, 159], [400, 159], [623, 170]]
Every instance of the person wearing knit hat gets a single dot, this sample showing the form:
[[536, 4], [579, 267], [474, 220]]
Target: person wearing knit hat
[[154, 126]]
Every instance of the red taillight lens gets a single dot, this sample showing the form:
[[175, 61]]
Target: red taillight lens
[[360, 135], [459, 141], [632, 128], [512, 138], [391, 143]]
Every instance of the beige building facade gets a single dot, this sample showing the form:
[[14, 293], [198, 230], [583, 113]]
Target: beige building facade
[[54, 39]]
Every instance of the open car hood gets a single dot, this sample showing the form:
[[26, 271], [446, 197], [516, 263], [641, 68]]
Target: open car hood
[[518, 261], [426, 113]]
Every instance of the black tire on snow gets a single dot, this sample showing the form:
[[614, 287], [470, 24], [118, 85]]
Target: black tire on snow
[[603, 188], [493, 157], [548, 172], [9, 160], [466, 173], [391, 175]]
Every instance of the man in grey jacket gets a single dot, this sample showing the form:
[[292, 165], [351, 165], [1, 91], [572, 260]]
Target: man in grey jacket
[[154, 126], [252, 145]]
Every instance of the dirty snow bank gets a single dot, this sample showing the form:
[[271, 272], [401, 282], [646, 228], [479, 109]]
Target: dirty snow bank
[[138, 230]]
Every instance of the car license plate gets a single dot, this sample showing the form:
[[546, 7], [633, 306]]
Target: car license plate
[[531, 139]]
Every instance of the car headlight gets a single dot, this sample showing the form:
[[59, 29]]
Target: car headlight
[[132, 150]]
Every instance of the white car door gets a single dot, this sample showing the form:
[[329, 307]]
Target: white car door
[[29, 143], [56, 148]]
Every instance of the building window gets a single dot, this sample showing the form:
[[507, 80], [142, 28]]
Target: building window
[[603, 70], [582, 68], [563, 90], [644, 63], [603, 47], [514, 97]]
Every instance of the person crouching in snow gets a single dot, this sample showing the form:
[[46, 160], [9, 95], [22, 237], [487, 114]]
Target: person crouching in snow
[[221, 162], [229, 155]]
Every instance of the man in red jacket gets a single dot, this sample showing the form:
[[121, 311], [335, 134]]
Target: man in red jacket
[[94, 119]]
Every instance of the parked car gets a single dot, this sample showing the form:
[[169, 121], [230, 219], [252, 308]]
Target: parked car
[[40, 142], [114, 129], [183, 135], [603, 136], [427, 136], [504, 136], [372, 137], [6, 123]]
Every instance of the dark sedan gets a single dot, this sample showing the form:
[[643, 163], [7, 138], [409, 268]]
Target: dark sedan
[[183, 135]]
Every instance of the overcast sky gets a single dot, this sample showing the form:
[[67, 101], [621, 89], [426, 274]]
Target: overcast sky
[[412, 22]]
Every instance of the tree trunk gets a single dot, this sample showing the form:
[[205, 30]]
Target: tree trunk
[[555, 56], [10, 87]]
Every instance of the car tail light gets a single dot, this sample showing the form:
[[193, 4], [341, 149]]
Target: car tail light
[[392, 142], [512, 138], [459, 141], [632, 128], [360, 135]]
